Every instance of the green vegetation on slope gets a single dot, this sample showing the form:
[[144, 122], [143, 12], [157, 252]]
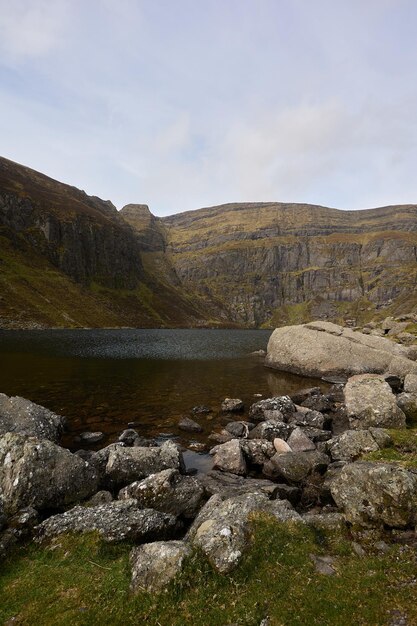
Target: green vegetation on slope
[[80, 581]]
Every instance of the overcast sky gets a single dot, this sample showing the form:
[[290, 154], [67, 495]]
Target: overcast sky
[[188, 103]]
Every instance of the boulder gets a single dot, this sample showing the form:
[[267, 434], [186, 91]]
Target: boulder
[[222, 528], [407, 403], [351, 444], [279, 408], [258, 451], [40, 474], [27, 418], [232, 405], [299, 442], [90, 438], [239, 429], [189, 425], [128, 437], [370, 402], [228, 457], [322, 349], [310, 418], [319, 403], [126, 465], [169, 492], [101, 497], [121, 520], [155, 564], [410, 383], [295, 466], [228, 485], [376, 494], [270, 430]]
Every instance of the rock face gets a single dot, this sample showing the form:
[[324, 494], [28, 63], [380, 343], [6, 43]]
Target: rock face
[[22, 416], [154, 565], [40, 474], [115, 521], [324, 349], [126, 465], [370, 402], [376, 494], [221, 529], [169, 492]]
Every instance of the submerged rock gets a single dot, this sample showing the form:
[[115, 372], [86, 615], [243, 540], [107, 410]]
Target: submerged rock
[[122, 520], [232, 405], [19, 415], [155, 564], [189, 425]]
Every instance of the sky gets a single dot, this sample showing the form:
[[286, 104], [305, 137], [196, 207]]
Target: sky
[[182, 104]]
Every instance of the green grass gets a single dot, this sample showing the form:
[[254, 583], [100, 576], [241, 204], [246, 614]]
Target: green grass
[[80, 580], [403, 451]]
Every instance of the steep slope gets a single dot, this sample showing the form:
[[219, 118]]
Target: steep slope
[[69, 259], [269, 263]]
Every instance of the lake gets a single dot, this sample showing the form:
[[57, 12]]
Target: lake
[[105, 379]]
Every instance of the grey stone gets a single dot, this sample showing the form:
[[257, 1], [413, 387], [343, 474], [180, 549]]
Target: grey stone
[[155, 564], [239, 429], [228, 485], [323, 349], [258, 451], [232, 405], [350, 445], [370, 402], [128, 436], [295, 466], [121, 520], [229, 457], [299, 442], [283, 404], [410, 383], [91, 437], [407, 402], [323, 564], [40, 474], [167, 491], [19, 415], [222, 528], [126, 465], [376, 493], [270, 430], [101, 497]]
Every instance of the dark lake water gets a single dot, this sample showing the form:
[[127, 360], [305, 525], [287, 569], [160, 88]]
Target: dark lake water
[[104, 379]]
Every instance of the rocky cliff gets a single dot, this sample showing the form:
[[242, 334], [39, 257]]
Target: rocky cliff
[[67, 258]]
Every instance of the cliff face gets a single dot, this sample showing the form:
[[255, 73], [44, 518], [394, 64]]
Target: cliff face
[[256, 259], [68, 259]]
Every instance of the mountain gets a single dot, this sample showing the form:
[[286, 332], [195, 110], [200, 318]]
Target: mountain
[[69, 259]]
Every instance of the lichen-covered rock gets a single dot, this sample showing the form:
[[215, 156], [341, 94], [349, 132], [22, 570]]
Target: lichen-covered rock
[[270, 430], [121, 520], [169, 492], [261, 410], [39, 473], [155, 564], [228, 457], [315, 419], [351, 444], [370, 402], [376, 494], [258, 451], [410, 383], [126, 465], [228, 485], [19, 415], [299, 442], [232, 405], [222, 528]]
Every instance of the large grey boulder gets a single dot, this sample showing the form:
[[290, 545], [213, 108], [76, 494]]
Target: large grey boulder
[[126, 465], [323, 349], [155, 564], [294, 467], [228, 485], [278, 408], [229, 457], [38, 473], [19, 415], [410, 383], [169, 492], [222, 528], [258, 451], [376, 494], [351, 444], [121, 520], [370, 402], [270, 429], [407, 402]]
